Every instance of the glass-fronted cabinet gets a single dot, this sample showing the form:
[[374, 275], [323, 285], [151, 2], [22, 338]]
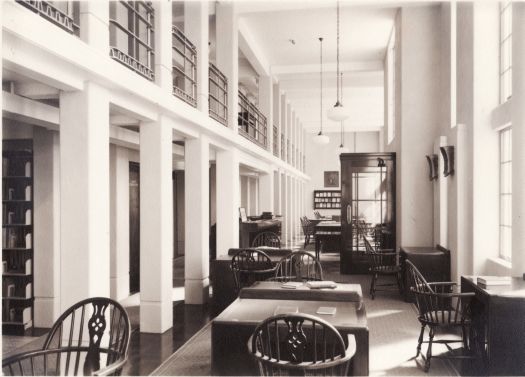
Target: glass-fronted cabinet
[[367, 207]]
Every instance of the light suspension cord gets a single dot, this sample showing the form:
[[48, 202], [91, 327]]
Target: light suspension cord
[[321, 83], [338, 51], [342, 122]]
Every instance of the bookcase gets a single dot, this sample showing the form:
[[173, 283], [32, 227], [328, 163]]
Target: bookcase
[[17, 237], [327, 199]]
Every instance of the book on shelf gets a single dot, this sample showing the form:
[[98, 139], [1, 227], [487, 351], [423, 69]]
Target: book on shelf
[[5, 166], [10, 217], [494, 280], [28, 267], [28, 217], [27, 169], [28, 192], [4, 266], [4, 238], [29, 241], [11, 239], [29, 290], [11, 290], [10, 194]]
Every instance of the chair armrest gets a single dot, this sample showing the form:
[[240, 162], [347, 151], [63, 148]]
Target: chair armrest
[[448, 283], [110, 369], [352, 347], [387, 251]]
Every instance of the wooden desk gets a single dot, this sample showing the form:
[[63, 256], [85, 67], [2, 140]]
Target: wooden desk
[[498, 325], [248, 230], [272, 290], [233, 327], [222, 281], [327, 232], [432, 262]]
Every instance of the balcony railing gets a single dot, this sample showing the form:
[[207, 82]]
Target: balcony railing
[[64, 14], [131, 35], [218, 96], [275, 141], [283, 146], [184, 67], [252, 123]]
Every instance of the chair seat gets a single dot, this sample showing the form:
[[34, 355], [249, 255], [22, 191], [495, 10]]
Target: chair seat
[[385, 269], [445, 317]]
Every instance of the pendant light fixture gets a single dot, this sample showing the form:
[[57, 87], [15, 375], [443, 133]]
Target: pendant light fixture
[[342, 148], [338, 112], [320, 138]]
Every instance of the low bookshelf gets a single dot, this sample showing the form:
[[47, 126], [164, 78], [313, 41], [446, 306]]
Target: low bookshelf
[[327, 199]]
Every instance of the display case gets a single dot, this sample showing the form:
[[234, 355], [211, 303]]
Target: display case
[[327, 199]]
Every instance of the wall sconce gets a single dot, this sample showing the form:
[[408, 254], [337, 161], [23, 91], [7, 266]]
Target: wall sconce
[[432, 160], [448, 160]]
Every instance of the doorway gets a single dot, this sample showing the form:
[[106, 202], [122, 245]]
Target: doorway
[[134, 227]]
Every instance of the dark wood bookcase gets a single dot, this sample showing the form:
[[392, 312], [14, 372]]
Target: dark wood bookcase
[[327, 199], [17, 237]]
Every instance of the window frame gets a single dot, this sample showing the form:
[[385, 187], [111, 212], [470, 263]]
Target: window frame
[[391, 86], [505, 158], [505, 51]]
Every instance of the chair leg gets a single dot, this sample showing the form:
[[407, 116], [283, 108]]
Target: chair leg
[[399, 283], [429, 350], [420, 341], [373, 286]]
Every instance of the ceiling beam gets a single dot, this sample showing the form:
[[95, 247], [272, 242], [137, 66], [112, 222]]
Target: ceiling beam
[[363, 66], [252, 50]]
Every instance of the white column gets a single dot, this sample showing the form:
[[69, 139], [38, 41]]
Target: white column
[[197, 183], [84, 189], [254, 196], [156, 226], [228, 200], [277, 116], [46, 156], [518, 139], [289, 206], [266, 192], [163, 45], [277, 193], [284, 210], [227, 54], [197, 32], [119, 222], [94, 21], [282, 128]]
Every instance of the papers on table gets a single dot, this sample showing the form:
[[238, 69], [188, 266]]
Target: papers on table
[[321, 284], [286, 310], [494, 280], [326, 310], [291, 285]]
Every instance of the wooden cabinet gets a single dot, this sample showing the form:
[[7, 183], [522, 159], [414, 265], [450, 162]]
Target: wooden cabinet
[[17, 236], [367, 207]]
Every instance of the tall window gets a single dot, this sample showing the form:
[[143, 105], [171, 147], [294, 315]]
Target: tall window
[[391, 58], [131, 35], [505, 51], [505, 196]]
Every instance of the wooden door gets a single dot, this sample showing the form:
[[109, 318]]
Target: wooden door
[[367, 207], [134, 227]]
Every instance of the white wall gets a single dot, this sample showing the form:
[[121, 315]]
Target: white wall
[[321, 158]]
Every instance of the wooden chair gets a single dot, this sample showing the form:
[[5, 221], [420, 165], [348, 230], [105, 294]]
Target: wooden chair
[[308, 230], [300, 344], [382, 263], [298, 266], [269, 239], [90, 338], [440, 307], [317, 215], [249, 266]]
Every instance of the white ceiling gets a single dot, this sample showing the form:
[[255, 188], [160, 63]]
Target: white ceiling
[[365, 31]]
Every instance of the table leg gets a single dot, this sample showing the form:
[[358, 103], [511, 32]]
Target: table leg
[[317, 247]]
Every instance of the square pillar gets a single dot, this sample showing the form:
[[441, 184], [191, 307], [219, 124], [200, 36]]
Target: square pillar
[[197, 32], [228, 200], [227, 54], [119, 222], [266, 192], [518, 139], [276, 115], [197, 222], [253, 195], [277, 192], [163, 45], [282, 128], [156, 226], [46, 152], [266, 107], [94, 24], [289, 213], [284, 201], [84, 190]]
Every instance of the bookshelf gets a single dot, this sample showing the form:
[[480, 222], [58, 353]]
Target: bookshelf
[[17, 237], [327, 199]]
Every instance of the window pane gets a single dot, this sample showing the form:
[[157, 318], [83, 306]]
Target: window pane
[[505, 242]]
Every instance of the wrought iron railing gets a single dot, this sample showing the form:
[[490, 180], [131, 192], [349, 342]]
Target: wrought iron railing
[[275, 141], [131, 35], [252, 123], [184, 69], [64, 14], [218, 96]]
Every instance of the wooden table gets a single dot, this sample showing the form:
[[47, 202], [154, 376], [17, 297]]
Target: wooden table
[[272, 290], [432, 262], [234, 326], [498, 325], [326, 231], [248, 230]]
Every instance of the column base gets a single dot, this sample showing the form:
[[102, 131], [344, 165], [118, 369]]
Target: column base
[[156, 317], [196, 291]]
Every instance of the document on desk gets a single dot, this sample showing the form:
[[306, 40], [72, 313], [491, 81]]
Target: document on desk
[[326, 310], [286, 310]]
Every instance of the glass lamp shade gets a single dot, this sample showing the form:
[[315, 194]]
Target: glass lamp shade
[[337, 113], [342, 149], [321, 139]]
